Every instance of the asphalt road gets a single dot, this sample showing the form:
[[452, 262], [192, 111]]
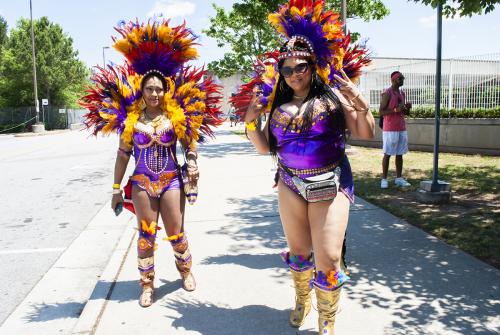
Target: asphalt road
[[51, 187]]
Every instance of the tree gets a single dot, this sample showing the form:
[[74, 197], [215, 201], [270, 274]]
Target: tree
[[3, 32], [246, 30], [462, 7], [59, 72]]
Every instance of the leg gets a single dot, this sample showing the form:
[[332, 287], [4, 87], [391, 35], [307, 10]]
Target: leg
[[172, 205], [293, 213], [328, 225], [399, 166], [147, 216], [385, 165]]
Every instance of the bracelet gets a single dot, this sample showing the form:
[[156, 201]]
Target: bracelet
[[116, 186], [117, 191], [361, 111], [251, 126], [123, 152]]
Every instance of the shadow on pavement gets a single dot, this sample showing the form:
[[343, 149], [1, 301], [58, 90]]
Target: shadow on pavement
[[220, 150], [257, 261], [207, 318], [425, 287], [47, 312]]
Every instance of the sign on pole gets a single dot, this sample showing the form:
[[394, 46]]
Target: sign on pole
[[45, 102], [62, 111]]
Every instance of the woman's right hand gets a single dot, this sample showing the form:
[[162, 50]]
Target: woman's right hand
[[115, 200], [255, 108]]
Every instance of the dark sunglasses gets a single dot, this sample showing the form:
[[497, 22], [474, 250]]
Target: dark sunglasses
[[287, 71]]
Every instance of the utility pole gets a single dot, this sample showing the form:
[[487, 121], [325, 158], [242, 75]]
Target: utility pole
[[343, 15], [104, 56], [37, 107], [435, 190]]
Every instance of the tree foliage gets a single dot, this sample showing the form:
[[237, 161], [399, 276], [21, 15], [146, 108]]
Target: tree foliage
[[247, 32], [60, 75], [452, 8], [3, 32]]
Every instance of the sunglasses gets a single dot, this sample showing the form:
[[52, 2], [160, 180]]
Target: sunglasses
[[287, 71]]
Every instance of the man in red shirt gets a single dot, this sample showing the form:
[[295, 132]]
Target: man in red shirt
[[393, 107]]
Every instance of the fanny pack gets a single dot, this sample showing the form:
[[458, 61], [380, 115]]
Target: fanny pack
[[322, 187]]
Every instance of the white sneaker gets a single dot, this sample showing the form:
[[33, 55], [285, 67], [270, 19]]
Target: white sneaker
[[384, 183], [401, 182]]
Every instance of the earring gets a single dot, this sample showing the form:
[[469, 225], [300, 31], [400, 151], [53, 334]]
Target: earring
[[142, 104]]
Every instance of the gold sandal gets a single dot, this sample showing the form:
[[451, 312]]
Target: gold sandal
[[188, 282], [147, 297]]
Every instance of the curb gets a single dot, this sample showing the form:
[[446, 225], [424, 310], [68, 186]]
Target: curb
[[92, 312], [57, 308], [45, 133]]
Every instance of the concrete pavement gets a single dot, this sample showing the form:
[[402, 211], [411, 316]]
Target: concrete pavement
[[404, 281]]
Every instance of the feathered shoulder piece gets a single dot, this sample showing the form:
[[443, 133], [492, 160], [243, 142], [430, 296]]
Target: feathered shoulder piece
[[263, 81], [192, 104], [192, 98]]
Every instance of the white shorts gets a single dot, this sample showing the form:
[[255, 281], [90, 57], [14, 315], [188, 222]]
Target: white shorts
[[395, 142]]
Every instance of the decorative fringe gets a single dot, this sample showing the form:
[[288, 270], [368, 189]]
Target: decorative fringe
[[330, 281], [297, 262]]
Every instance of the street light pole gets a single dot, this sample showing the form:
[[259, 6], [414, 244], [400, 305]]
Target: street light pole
[[37, 107], [436, 191], [437, 115], [343, 12], [104, 56]]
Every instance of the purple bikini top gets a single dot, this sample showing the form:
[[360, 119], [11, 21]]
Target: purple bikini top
[[154, 147], [321, 145], [145, 135]]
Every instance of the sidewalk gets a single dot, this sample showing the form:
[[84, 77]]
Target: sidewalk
[[403, 280]]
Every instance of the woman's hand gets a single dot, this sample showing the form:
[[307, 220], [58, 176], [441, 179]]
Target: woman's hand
[[255, 108], [115, 200], [347, 88]]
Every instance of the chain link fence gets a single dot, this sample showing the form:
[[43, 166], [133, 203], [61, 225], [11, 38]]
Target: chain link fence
[[20, 119], [467, 83]]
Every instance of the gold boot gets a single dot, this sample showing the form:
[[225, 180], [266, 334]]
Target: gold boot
[[328, 302], [303, 289]]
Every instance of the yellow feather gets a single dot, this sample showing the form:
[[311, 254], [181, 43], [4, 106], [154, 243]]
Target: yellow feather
[[295, 11], [122, 46]]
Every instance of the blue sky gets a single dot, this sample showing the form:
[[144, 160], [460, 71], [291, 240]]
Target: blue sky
[[409, 31]]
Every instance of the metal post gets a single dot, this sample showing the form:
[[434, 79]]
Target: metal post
[[37, 107], [435, 185], [450, 88], [343, 11], [104, 56]]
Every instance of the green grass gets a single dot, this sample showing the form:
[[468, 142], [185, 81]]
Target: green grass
[[470, 222]]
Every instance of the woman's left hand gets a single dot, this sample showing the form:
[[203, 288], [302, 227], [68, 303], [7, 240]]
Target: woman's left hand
[[192, 172], [348, 89]]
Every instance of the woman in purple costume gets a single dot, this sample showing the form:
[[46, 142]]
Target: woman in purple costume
[[306, 133], [156, 185]]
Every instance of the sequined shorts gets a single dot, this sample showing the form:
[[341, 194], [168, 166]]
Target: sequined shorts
[[167, 181]]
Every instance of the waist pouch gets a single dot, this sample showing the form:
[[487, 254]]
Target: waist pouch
[[322, 187]]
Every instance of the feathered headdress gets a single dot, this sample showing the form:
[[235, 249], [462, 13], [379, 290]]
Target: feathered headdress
[[191, 100], [319, 34], [307, 22]]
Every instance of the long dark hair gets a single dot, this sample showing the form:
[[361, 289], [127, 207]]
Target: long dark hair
[[284, 94]]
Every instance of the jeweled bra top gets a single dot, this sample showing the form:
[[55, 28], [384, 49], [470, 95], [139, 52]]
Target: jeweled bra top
[[319, 146], [154, 146]]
